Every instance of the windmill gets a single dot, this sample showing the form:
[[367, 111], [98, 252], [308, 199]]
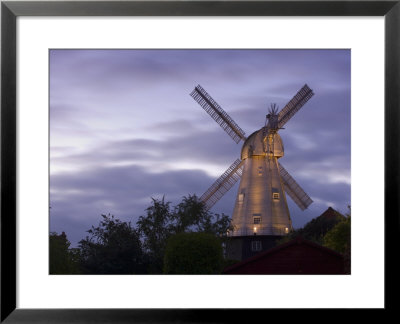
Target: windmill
[[261, 207]]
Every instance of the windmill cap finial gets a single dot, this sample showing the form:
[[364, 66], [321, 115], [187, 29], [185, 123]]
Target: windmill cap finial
[[273, 109]]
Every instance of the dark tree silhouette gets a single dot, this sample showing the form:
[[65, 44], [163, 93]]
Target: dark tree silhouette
[[62, 259], [155, 228], [316, 229], [114, 247], [161, 222]]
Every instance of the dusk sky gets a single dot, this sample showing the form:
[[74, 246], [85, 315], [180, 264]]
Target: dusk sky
[[123, 128]]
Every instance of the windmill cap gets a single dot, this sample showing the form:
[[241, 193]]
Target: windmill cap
[[255, 145]]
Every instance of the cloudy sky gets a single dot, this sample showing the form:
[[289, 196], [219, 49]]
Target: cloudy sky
[[123, 128]]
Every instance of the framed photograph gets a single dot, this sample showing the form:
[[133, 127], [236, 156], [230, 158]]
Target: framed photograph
[[96, 94]]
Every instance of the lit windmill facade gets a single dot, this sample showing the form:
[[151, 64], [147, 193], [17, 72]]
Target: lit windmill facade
[[261, 207]]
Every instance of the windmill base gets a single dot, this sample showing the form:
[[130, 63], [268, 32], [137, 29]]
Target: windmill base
[[243, 247]]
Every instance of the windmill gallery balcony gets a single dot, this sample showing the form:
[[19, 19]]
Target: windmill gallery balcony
[[260, 230]]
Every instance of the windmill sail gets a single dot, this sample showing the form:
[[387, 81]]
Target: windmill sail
[[218, 114], [294, 105], [293, 189], [223, 184]]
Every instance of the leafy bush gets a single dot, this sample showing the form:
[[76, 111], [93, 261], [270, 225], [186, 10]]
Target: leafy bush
[[193, 253]]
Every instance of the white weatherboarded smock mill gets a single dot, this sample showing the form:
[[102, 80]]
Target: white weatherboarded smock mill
[[261, 214]]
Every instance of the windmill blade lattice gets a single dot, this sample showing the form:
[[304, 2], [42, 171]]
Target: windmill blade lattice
[[294, 105], [223, 184], [218, 114], [293, 189]]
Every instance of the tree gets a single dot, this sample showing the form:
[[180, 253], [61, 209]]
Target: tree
[[316, 229], [216, 224], [114, 247], [192, 215], [193, 253], [188, 214], [155, 228], [339, 237], [160, 222], [61, 259]]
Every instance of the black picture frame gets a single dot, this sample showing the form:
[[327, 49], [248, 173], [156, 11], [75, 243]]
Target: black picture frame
[[10, 10]]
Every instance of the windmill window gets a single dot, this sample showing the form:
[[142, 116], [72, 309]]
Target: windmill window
[[275, 196], [257, 220], [240, 198], [256, 246]]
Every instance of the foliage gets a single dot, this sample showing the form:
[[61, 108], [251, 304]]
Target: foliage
[[339, 237], [155, 228], [160, 223], [62, 260], [193, 253], [292, 235], [229, 262], [216, 224], [114, 247], [189, 213], [316, 229]]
